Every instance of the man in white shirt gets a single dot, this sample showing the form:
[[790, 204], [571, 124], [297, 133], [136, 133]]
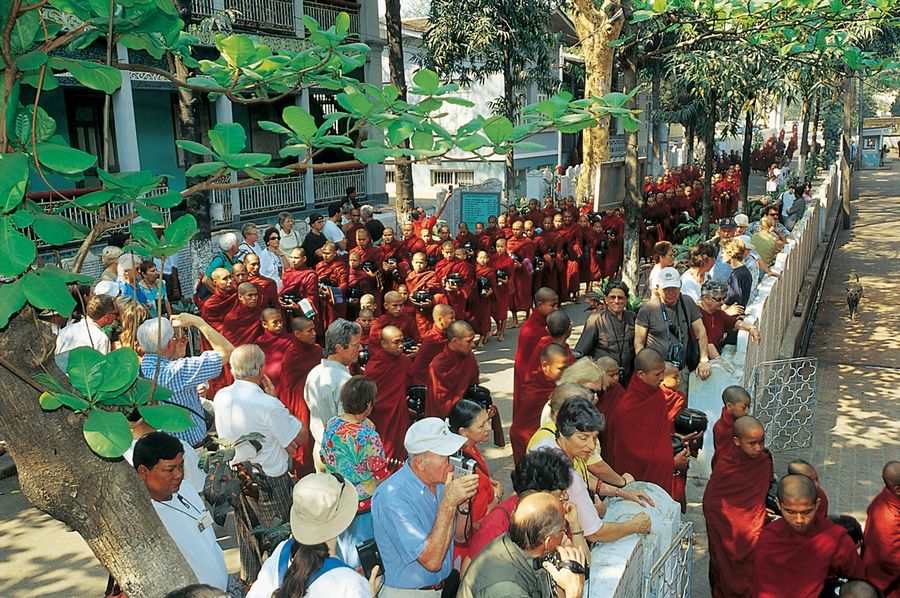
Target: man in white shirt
[[250, 244], [101, 310], [322, 391], [247, 406], [159, 460], [332, 230]]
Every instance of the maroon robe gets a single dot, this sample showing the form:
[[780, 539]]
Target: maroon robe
[[391, 375], [242, 325], [723, 436], [526, 412], [268, 291], [520, 279], [338, 273], [426, 280], [503, 293], [274, 346], [405, 323], [881, 543], [481, 306], [449, 375], [432, 343], [298, 361]]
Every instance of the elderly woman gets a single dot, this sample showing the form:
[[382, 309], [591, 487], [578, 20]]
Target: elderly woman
[[766, 240], [740, 281], [128, 281], [718, 323], [352, 448], [578, 426], [290, 238], [610, 332], [110, 260], [701, 259]]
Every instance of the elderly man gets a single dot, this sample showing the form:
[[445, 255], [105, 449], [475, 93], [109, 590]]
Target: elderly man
[[228, 249], [249, 406], [322, 390], [250, 244], [165, 362], [665, 324], [239, 271], [506, 566], [414, 512], [881, 553], [128, 281], [101, 310], [222, 301], [452, 371]]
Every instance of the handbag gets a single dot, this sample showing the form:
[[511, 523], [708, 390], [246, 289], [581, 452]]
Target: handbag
[[692, 346]]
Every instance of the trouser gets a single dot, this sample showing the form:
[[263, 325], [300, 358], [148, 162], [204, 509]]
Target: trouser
[[274, 501]]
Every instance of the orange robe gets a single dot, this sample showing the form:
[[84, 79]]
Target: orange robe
[[338, 274], [881, 543], [449, 375], [242, 325]]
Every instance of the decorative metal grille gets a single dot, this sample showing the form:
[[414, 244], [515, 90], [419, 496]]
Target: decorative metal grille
[[670, 575], [784, 401]]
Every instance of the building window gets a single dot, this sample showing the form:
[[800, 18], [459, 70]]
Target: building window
[[457, 178], [390, 176], [84, 111]]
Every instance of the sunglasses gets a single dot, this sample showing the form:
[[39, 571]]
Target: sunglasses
[[273, 237]]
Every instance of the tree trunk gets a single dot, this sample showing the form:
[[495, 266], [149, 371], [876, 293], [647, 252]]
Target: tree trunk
[[509, 111], [804, 137], [861, 120], [815, 129], [689, 153], [103, 500], [403, 179], [594, 33], [708, 163], [634, 198], [845, 150], [745, 162], [656, 166]]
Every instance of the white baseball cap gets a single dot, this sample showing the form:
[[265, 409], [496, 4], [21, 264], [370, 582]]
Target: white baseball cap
[[742, 220], [669, 278], [107, 287], [431, 435]]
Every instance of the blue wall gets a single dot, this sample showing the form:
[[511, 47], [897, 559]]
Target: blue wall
[[156, 134]]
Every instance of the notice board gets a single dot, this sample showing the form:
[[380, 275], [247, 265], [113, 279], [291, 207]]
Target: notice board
[[478, 205]]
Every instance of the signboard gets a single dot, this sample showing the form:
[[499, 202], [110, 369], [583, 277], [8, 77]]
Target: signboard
[[478, 205]]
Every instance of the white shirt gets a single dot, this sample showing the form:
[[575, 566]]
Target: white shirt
[[787, 200], [340, 582], [200, 549], [289, 240], [171, 262], [245, 249], [271, 266], [243, 408], [578, 494], [83, 333], [332, 232], [323, 395], [192, 472], [654, 276], [690, 286]]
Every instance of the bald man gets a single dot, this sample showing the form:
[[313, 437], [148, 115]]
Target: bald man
[[858, 588], [532, 396], [390, 369], [881, 552], [367, 252], [801, 467], [452, 371], [243, 324], [300, 280], [222, 301], [734, 506], [393, 316], [334, 279], [736, 403], [432, 342], [240, 273], [796, 554], [268, 288]]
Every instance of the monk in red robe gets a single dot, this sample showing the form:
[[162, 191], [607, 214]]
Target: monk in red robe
[[481, 304], [351, 227], [523, 248], [242, 324], [392, 248], [433, 342], [797, 553], [675, 402], [335, 277], [639, 432], [239, 271], [502, 263], [222, 301], [533, 395], [572, 244], [274, 342], [454, 296], [300, 358], [452, 371], [881, 542], [390, 369], [412, 240], [268, 290], [300, 279], [393, 316], [734, 505], [736, 404], [801, 467]]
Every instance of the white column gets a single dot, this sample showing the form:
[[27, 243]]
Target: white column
[[309, 189], [225, 115], [299, 30], [373, 74], [123, 116]]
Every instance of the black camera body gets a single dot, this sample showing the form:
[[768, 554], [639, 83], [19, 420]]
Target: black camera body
[[369, 556], [553, 557], [408, 345]]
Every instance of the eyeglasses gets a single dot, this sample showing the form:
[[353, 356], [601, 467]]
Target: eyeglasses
[[719, 299], [616, 297], [274, 237]]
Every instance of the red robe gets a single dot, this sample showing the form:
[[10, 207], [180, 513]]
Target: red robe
[[395, 249], [432, 343], [299, 360], [734, 505], [881, 543], [534, 328], [449, 375], [526, 410], [274, 346], [520, 279], [481, 306], [426, 280], [456, 300], [391, 375], [349, 231], [503, 292], [723, 436], [571, 241], [369, 254], [268, 291], [639, 435], [338, 273], [242, 325], [405, 323], [214, 310], [303, 283], [675, 402], [787, 563]]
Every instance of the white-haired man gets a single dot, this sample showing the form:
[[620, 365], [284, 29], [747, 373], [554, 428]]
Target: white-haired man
[[227, 256], [250, 406], [164, 352]]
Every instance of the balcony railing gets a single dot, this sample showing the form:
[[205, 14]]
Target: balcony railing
[[270, 197], [332, 186], [268, 15], [326, 13]]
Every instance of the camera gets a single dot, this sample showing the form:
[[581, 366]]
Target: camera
[[408, 345], [462, 465], [573, 566], [676, 354], [415, 399], [369, 556], [363, 358]]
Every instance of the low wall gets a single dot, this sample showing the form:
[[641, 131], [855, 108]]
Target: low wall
[[771, 308]]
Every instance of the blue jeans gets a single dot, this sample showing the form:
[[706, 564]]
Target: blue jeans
[[359, 531]]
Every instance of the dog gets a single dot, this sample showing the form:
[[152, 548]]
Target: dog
[[854, 295]]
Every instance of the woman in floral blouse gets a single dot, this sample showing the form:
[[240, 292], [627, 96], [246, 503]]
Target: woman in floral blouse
[[352, 448]]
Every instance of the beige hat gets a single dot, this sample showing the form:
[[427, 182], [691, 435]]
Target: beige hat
[[110, 254], [669, 278], [742, 220], [324, 505]]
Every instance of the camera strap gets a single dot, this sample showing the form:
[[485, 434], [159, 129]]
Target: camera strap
[[665, 316]]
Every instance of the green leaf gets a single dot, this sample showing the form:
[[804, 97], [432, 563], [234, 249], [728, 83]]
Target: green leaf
[[31, 61], [300, 121], [53, 229], [228, 138], [121, 370], [241, 161], [181, 230], [24, 31], [150, 214], [13, 180], [427, 81], [370, 155], [143, 233], [342, 23], [169, 199], [90, 74], [193, 147], [204, 169], [267, 125], [659, 6], [12, 299], [140, 392], [49, 402], [95, 199], [237, 50], [498, 128], [422, 140], [85, 369], [640, 16], [459, 101], [45, 291], [107, 433], [167, 417], [71, 401], [132, 182], [64, 159], [17, 250]]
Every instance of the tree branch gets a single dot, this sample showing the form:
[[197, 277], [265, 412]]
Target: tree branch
[[97, 230]]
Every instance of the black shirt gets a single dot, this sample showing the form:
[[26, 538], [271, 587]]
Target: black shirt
[[375, 228], [311, 243]]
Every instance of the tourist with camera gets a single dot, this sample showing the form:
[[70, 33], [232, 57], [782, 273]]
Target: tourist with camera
[[532, 558], [415, 511]]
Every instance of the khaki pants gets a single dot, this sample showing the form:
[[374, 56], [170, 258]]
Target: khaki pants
[[389, 592]]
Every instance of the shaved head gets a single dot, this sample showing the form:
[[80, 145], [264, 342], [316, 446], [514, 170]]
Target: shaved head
[[392, 296], [747, 425], [735, 394], [251, 258], [801, 467], [299, 323], [796, 488], [269, 313], [544, 295], [858, 588], [392, 340], [553, 351], [647, 359], [891, 476], [459, 329], [245, 288], [559, 324]]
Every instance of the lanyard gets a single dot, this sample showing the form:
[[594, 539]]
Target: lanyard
[[665, 315]]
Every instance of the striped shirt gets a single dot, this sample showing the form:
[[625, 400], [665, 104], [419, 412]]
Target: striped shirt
[[182, 377]]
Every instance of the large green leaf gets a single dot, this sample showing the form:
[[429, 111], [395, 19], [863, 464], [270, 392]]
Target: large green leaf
[[90, 74], [12, 298], [237, 50], [167, 417], [181, 230], [49, 402], [13, 180], [133, 182], [140, 393], [498, 128], [71, 401], [143, 232], [85, 369], [31, 61], [122, 367], [150, 214], [342, 23], [95, 199], [169, 199], [24, 31], [228, 138], [194, 147], [17, 251], [64, 159], [241, 161], [107, 433], [300, 121], [46, 291], [53, 229], [427, 81], [205, 168]]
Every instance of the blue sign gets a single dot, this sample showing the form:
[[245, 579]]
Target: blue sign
[[477, 206]]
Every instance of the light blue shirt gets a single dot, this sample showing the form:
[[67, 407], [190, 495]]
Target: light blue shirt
[[721, 271], [404, 511]]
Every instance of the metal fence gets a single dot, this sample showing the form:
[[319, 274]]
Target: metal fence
[[329, 187], [269, 15], [784, 401], [670, 575], [272, 196], [325, 14]]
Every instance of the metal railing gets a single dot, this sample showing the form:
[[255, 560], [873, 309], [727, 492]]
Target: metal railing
[[329, 187], [269, 15], [326, 14], [270, 197], [670, 575]]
